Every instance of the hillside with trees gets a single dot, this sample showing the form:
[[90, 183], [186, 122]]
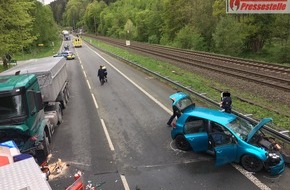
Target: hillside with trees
[[197, 25], [25, 24]]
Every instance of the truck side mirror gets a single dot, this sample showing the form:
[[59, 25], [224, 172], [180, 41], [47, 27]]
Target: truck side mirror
[[38, 101]]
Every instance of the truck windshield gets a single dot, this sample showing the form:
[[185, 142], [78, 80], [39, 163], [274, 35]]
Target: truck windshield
[[11, 106]]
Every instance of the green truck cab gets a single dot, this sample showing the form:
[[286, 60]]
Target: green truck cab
[[22, 114], [24, 98]]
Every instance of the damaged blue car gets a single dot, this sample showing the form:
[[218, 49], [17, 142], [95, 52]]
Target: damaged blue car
[[226, 136]]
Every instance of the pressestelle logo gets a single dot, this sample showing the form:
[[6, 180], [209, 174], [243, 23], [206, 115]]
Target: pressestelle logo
[[258, 6], [235, 5]]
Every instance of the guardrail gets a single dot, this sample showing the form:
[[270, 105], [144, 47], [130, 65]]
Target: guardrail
[[281, 135]]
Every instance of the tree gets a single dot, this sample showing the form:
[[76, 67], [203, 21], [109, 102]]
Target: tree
[[44, 27], [175, 15], [15, 33], [281, 28], [74, 11], [259, 29], [93, 15], [187, 38], [228, 37], [58, 8], [129, 27]]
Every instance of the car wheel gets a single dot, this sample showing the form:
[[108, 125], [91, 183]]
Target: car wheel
[[181, 143], [251, 163]]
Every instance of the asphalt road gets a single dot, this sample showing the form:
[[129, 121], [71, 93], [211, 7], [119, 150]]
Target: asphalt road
[[131, 110]]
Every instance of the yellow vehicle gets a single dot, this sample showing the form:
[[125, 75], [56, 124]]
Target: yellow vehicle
[[77, 42]]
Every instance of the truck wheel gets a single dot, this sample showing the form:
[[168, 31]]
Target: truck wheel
[[45, 143], [64, 103], [59, 115], [66, 95], [41, 155], [67, 92], [46, 147]]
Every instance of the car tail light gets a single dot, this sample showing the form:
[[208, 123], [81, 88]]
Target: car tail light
[[173, 125]]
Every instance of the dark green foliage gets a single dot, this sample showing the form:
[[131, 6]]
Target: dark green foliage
[[198, 25], [25, 23], [228, 37], [15, 33], [44, 26], [187, 38], [58, 8], [92, 15], [283, 55]]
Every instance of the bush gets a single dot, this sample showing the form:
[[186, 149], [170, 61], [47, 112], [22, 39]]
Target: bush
[[153, 39], [283, 55], [187, 38]]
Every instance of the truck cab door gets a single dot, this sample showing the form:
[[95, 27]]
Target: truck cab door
[[34, 118]]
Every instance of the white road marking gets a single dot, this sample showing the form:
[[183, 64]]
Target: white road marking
[[95, 101], [123, 178], [252, 178], [247, 174], [136, 85], [175, 149], [85, 74], [107, 136], [89, 84], [124, 181]]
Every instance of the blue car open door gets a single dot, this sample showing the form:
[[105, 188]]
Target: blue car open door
[[226, 152], [198, 141]]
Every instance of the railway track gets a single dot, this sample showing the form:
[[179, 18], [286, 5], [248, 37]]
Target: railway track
[[271, 75]]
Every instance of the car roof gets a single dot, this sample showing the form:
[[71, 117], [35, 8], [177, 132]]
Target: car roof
[[217, 116]]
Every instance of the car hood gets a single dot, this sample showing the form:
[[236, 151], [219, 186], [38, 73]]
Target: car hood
[[260, 125]]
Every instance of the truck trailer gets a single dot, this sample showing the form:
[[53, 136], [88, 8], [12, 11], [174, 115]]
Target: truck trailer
[[32, 96]]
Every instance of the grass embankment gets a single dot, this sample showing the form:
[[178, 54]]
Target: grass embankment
[[37, 52], [200, 84]]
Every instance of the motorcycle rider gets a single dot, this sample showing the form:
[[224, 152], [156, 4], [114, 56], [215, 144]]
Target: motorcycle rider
[[105, 73]]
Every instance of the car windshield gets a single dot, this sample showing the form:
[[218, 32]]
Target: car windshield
[[11, 106], [241, 127]]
